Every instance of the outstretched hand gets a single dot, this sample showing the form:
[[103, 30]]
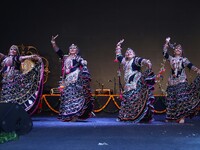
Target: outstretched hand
[[167, 39], [119, 44], [53, 39]]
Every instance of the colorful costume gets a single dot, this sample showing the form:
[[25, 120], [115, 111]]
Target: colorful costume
[[76, 98], [182, 98], [22, 83], [137, 98], [22, 88]]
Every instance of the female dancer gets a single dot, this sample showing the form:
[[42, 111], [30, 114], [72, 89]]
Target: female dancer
[[137, 98], [76, 99], [24, 88], [182, 99]]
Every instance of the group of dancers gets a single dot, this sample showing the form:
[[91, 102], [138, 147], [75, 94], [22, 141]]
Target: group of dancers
[[76, 100]]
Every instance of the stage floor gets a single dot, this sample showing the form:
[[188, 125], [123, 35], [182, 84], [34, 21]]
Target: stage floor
[[105, 133]]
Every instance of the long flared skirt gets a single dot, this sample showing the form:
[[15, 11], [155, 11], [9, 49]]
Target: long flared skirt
[[77, 100], [24, 89], [183, 100], [137, 104]]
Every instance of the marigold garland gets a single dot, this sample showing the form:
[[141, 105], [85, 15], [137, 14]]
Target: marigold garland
[[160, 77], [111, 97], [44, 98]]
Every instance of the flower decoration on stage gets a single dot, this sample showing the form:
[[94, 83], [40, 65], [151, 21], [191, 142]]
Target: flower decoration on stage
[[116, 61], [160, 77], [118, 52]]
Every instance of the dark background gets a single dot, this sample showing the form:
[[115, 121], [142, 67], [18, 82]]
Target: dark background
[[96, 27]]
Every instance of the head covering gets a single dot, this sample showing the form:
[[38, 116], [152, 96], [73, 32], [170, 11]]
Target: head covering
[[180, 47], [130, 49], [73, 46]]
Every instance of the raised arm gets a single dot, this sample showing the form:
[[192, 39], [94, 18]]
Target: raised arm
[[118, 47], [53, 42], [166, 46], [118, 52], [32, 57]]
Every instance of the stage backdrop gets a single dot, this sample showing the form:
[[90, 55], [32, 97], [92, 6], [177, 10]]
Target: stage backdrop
[[96, 27]]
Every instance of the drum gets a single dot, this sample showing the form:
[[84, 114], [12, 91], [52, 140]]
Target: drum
[[27, 66]]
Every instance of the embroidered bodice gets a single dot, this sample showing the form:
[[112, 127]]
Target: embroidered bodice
[[132, 70], [178, 65]]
